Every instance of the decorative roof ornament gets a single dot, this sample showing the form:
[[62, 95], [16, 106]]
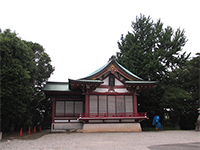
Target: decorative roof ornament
[[112, 70], [112, 58]]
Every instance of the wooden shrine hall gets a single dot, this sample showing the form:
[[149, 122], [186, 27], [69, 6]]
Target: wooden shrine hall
[[104, 101]]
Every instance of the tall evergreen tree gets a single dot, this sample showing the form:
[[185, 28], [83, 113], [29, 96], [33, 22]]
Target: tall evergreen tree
[[152, 52]]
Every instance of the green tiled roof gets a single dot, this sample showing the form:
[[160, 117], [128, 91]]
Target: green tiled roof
[[126, 70], [56, 86], [98, 70], [109, 63]]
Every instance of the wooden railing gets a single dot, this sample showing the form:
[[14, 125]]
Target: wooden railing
[[93, 115], [67, 115], [124, 114]]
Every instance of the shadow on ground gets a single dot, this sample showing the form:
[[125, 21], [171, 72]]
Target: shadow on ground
[[184, 146]]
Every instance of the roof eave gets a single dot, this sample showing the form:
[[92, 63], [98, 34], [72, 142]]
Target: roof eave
[[141, 82], [81, 84]]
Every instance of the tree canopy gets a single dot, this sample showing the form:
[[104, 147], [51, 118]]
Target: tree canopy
[[182, 93], [150, 50], [25, 67], [155, 52]]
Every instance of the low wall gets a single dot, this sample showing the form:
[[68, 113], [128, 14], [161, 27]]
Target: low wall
[[112, 127]]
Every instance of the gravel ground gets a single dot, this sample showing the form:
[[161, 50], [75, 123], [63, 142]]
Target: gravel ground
[[98, 141]]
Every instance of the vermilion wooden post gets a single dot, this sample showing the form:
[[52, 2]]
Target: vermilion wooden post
[[29, 130], [20, 134], [135, 104], [86, 104]]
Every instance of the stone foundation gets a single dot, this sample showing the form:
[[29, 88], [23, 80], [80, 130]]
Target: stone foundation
[[62, 127], [112, 127], [198, 121]]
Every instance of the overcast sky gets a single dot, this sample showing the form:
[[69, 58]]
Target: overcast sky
[[81, 35]]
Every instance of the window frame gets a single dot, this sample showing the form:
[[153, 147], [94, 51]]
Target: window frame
[[64, 114], [115, 103]]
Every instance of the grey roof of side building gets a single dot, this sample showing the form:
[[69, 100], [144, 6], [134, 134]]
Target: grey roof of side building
[[56, 86], [64, 86], [89, 81]]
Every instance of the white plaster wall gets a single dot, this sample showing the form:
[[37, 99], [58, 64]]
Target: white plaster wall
[[61, 120], [121, 90], [117, 82], [106, 80], [101, 90]]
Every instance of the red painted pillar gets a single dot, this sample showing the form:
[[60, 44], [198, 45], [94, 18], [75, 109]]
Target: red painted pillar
[[135, 104], [53, 110], [86, 104]]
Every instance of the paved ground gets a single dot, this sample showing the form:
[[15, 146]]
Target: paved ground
[[160, 140]]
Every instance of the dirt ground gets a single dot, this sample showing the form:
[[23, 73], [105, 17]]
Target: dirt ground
[[25, 136], [151, 140]]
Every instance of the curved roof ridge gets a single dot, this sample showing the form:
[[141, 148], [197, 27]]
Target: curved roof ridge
[[128, 71], [112, 60], [96, 71]]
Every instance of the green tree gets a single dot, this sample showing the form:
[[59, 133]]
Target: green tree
[[182, 90], [176, 103], [23, 73], [43, 70], [193, 76], [16, 85], [152, 52]]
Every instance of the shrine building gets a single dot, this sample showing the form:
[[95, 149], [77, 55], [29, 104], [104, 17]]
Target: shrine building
[[104, 101]]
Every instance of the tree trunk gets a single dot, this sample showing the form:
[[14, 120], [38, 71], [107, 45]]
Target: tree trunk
[[177, 126]]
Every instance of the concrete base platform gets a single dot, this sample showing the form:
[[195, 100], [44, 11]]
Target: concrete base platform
[[62, 127], [112, 127]]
